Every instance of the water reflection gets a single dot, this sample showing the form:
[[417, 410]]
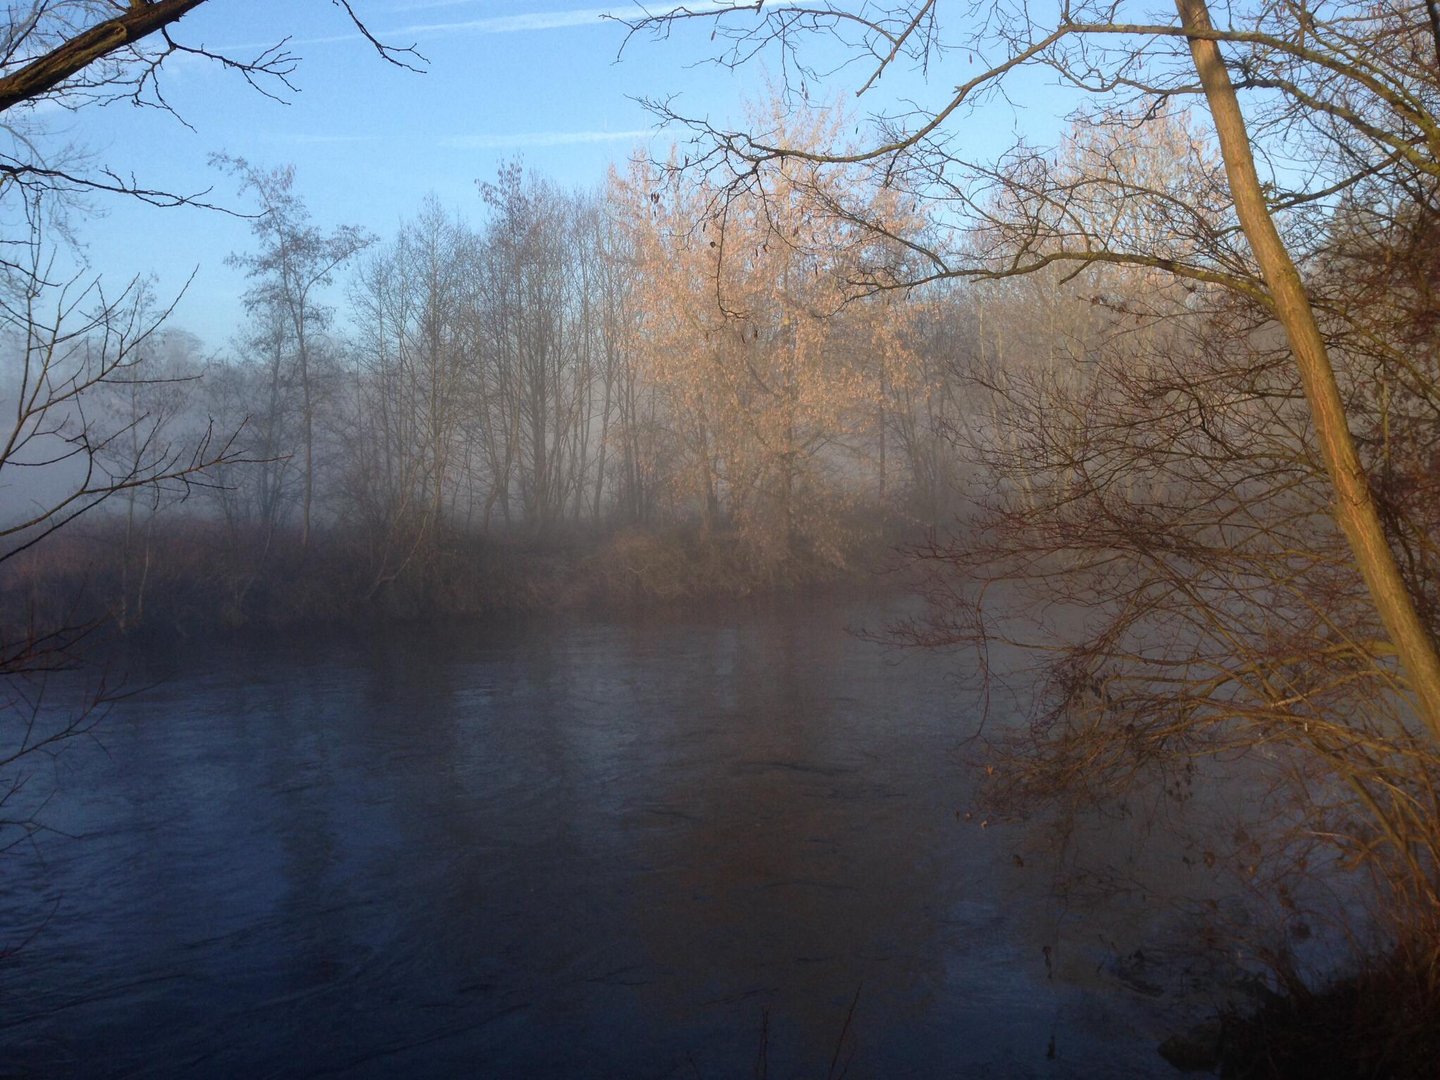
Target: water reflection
[[591, 848]]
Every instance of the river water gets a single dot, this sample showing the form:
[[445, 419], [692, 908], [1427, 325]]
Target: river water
[[725, 844]]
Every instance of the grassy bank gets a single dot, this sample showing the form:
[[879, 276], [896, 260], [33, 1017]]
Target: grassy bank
[[193, 577]]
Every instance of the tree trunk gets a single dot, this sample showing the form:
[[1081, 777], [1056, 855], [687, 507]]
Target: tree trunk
[[1354, 507]]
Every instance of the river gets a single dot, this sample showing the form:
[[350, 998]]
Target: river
[[719, 844]]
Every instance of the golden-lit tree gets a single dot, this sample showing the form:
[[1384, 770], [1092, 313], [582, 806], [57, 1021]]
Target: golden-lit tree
[[1357, 91], [773, 376]]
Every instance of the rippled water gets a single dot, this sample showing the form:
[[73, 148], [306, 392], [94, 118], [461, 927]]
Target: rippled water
[[682, 845]]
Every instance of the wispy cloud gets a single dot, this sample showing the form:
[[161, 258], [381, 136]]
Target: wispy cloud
[[541, 138], [552, 20], [507, 24], [524, 21]]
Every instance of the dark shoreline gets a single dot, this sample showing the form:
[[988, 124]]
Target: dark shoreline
[[188, 583]]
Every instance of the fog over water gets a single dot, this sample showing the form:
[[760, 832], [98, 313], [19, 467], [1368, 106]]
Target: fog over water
[[673, 845]]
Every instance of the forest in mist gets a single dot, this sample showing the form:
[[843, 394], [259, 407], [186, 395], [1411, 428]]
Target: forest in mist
[[662, 387], [454, 418]]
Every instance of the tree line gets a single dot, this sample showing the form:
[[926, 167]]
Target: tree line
[[650, 360]]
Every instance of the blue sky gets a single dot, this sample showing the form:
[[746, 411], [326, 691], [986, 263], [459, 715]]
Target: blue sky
[[533, 78]]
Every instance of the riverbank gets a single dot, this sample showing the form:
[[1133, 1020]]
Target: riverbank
[[195, 578], [1382, 1021]]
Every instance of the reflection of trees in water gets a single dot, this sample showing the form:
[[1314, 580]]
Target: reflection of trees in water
[[608, 846], [806, 867], [1197, 899]]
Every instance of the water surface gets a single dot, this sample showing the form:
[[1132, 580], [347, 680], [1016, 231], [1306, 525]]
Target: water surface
[[684, 845]]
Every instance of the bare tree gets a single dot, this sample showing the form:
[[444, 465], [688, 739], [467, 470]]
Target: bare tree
[[776, 388], [1361, 82], [296, 261], [77, 54], [160, 402], [65, 452], [1224, 491], [537, 363], [72, 342], [418, 426], [642, 469]]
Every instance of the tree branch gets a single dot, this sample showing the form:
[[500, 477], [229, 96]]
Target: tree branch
[[100, 40]]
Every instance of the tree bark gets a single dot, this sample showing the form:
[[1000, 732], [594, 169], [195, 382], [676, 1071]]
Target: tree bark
[[48, 71], [1354, 508]]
